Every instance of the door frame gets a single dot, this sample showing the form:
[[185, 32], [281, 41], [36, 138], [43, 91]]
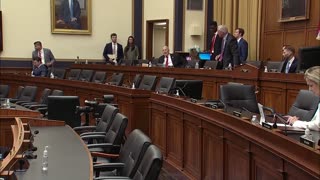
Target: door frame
[[149, 36]]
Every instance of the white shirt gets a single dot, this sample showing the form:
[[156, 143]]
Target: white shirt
[[42, 56], [170, 64], [114, 49], [290, 62], [314, 124], [239, 39]]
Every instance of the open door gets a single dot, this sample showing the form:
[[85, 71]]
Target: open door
[[157, 35]]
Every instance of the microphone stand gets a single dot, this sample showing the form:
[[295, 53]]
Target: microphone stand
[[276, 117]]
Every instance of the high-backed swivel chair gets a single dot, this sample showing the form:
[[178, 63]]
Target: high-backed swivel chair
[[86, 75], [4, 91], [165, 85], [74, 74], [116, 79], [99, 77], [148, 82]]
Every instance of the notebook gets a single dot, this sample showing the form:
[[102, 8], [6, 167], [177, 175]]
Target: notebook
[[205, 56]]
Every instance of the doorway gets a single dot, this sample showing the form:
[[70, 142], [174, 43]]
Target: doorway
[[157, 36]]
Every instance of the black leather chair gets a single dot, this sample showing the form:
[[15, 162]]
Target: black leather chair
[[129, 158], [116, 79], [99, 77], [43, 99], [28, 94], [112, 139], [165, 85], [305, 105], [137, 80], [4, 91], [43, 108], [239, 96], [149, 167], [127, 62], [103, 125], [191, 64], [210, 65], [59, 73], [17, 95], [64, 108], [254, 63], [148, 82], [74, 74], [274, 66], [86, 75]]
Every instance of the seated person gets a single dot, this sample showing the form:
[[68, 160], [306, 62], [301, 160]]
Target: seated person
[[313, 81], [39, 69], [290, 61], [171, 60]]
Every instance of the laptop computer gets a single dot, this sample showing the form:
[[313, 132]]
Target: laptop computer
[[204, 56]]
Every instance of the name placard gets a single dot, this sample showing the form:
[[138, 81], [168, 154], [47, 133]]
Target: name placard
[[307, 141], [266, 125]]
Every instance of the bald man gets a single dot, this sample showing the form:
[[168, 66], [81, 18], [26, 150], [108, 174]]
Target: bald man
[[170, 60], [229, 49]]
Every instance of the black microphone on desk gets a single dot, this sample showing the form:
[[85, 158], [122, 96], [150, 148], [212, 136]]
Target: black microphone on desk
[[277, 116]]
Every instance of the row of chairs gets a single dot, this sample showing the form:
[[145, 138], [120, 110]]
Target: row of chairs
[[135, 158], [304, 107]]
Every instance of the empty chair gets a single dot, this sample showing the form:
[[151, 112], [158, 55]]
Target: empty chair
[[305, 105], [149, 168], [103, 125], [28, 94], [43, 108], [64, 108], [210, 65], [130, 156], [43, 99], [274, 66], [112, 139], [59, 73], [4, 91], [116, 79], [191, 64], [99, 77], [255, 63], [148, 82], [74, 74], [137, 79], [127, 62], [239, 96], [86, 75], [165, 85]]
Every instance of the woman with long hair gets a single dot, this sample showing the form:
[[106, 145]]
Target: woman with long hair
[[131, 51]]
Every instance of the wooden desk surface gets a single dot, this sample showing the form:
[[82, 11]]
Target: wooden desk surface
[[69, 157], [204, 143]]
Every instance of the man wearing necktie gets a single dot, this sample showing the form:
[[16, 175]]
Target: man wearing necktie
[[45, 54], [242, 45], [229, 49], [290, 61], [171, 60], [69, 15], [113, 51]]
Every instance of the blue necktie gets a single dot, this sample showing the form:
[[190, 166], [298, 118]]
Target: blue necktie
[[287, 67], [71, 9]]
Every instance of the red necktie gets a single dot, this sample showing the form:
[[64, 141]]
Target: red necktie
[[212, 43], [167, 61]]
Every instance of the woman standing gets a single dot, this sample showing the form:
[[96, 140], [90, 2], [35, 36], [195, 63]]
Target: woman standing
[[312, 77], [131, 51]]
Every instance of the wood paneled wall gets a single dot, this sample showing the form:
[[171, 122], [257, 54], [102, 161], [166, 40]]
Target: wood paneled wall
[[275, 34]]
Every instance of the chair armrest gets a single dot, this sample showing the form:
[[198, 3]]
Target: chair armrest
[[100, 145], [92, 133], [25, 104], [89, 137], [43, 110], [107, 167], [111, 178], [104, 155], [21, 102], [268, 109], [84, 128], [13, 100], [37, 106]]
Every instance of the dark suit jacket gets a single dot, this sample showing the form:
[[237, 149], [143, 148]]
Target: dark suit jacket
[[48, 56], [42, 71], [64, 13], [243, 50], [177, 61], [216, 49], [293, 67], [108, 50], [231, 52]]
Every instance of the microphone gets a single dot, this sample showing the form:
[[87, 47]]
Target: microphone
[[276, 117]]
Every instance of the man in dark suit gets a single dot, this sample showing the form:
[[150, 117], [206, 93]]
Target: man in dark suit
[[229, 49], [69, 15], [242, 45], [45, 54], [290, 61], [39, 69], [113, 51], [170, 60]]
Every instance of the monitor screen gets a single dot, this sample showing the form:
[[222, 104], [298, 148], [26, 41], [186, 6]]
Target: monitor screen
[[309, 57], [189, 88], [205, 56]]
